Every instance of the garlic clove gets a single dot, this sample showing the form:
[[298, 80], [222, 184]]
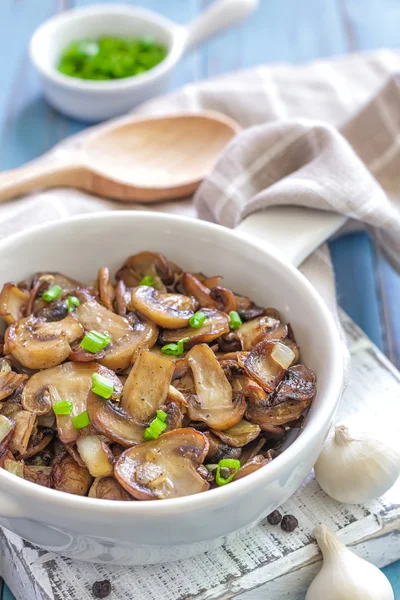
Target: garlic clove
[[356, 467], [344, 575]]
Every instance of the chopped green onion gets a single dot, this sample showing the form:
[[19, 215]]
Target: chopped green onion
[[156, 427], [52, 293], [102, 386], [197, 319], [63, 407], [235, 320], [72, 303], [81, 421], [147, 280], [227, 463], [175, 349], [161, 415], [95, 341]]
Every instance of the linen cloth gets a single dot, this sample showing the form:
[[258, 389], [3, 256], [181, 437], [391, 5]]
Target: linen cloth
[[325, 135]]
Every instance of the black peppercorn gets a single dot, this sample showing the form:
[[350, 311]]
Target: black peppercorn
[[274, 518], [289, 523], [101, 589]]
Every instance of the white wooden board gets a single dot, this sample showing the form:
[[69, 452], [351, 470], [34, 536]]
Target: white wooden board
[[267, 563]]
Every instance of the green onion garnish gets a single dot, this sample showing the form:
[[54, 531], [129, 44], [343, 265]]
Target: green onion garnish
[[95, 341], [81, 421], [156, 427], [227, 463], [197, 320], [175, 349], [52, 293], [72, 303], [63, 407], [102, 386], [235, 320], [147, 280]]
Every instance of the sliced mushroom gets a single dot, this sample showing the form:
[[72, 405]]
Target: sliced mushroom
[[9, 380], [153, 264], [79, 354], [214, 402], [122, 297], [40, 443], [194, 287], [253, 392], [250, 311], [229, 342], [70, 477], [70, 382], [40, 345], [174, 414], [54, 311], [125, 338], [211, 282], [108, 488], [13, 303], [240, 434], [260, 329], [7, 427], [8, 462], [217, 450], [176, 396], [224, 298], [215, 325], [147, 386], [165, 467], [38, 474], [251, 466], [25, 421], [264, 363], [96, 455], [112, 421], [106, 290], [166, 310]]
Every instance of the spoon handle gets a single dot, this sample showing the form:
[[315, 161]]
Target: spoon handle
[[221, 15], [45, 172]]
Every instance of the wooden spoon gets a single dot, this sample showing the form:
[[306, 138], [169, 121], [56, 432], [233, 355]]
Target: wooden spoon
[[141, 160]]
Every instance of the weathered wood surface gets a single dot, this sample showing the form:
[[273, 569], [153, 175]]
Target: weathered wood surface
[[285, 30], [267, 559]]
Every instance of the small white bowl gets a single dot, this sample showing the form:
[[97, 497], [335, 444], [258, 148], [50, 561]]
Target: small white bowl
[[98, 100]]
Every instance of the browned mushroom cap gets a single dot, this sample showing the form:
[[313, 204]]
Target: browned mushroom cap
[[69, 477], [229, 342], [267, 363], [166, 310], [211, 282], [165, 467], [216, 324], [40, 345], [96, 455], [25, 422], [125, 338], [106, 290], [253, 392], [194, 287], [217, 450], [147, 386], [79, 354], [214, 402], [262, 328], [108, 488], [174, 414], [224, 298], [7, 427], [40, 475], [9, 380], [138, 266], [240, 434], [113, 422], [251, 466], [13, 303]]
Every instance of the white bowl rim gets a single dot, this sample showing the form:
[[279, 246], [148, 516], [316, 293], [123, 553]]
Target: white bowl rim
[[174, 53], [120, 509]]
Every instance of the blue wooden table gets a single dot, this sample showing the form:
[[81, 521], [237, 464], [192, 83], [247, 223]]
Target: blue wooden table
[[289, 30]]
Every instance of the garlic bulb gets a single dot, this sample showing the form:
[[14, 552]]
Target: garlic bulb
[[356, 467], [345, 576]]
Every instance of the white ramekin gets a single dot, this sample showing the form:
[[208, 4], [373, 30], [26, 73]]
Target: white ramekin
[[97, 100], [148, 532]]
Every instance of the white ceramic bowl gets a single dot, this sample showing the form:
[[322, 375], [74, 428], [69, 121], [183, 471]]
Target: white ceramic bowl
[[148, 532], [98, 100]]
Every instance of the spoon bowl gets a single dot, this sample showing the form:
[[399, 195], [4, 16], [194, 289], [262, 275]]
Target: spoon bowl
[[143, 160]]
